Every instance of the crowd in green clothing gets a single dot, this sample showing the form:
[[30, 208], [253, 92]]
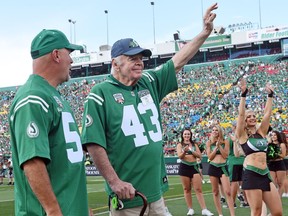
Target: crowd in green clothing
[[207, 93]]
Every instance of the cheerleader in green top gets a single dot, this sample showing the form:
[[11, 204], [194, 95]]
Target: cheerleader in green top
[[188, 151], [275, 153], [217, 149], [256, 181]]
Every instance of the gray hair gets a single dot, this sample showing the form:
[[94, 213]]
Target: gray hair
[[118, 61]]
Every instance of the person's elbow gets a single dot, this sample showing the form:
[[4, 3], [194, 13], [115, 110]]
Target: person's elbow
[[93, 146]]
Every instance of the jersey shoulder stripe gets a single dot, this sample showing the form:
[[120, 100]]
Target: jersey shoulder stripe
[[32, 99], [96, 98], [149, 76]]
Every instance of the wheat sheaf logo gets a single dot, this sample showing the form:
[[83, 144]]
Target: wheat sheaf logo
[[88, 121], [32, 130]]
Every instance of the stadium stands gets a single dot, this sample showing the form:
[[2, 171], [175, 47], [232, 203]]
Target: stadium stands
[[207, 93]]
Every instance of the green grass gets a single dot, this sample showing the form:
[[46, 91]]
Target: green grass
[[98, 199]]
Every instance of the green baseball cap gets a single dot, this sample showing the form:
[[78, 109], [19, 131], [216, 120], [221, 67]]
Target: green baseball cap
[[48, 40]]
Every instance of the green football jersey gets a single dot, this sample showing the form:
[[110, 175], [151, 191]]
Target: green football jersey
[[42, 125], [126, 121]]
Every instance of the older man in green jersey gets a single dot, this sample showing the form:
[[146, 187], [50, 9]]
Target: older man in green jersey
[[122, 124]]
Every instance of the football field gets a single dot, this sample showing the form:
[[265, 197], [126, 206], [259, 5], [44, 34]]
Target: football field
[[98, 199]]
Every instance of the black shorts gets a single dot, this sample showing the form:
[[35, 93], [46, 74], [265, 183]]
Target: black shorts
[[186, 170], [286, 163], [237, 173], [217, 171], [252, 180], [277, 166]]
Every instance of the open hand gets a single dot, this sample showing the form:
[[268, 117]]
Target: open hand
[[209, 18], [243, 85], [269, 88]]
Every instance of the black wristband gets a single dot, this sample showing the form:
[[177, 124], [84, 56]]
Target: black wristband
[[244, 93], [271, 94]]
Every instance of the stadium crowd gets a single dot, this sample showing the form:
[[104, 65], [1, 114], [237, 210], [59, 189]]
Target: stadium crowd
[[207, 93]]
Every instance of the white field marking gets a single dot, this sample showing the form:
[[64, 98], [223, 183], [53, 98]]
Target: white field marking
[[102, 213], [101, 190], [96, 191]]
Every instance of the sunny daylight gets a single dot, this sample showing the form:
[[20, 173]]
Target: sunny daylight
[[150, 108]]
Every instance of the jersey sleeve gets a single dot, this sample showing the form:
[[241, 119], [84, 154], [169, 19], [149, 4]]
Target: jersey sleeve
[[163, 78], [93, 124], [30, 121]]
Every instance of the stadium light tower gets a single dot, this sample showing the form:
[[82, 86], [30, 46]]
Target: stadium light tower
[[260, 20], [74, 23], [202, 11], [152, 3], [107, 26]]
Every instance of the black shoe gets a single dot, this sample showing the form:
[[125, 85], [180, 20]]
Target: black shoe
[[235, 206], [245, 205], [1, 183], [240, 198], [222, 200], [9, 183]]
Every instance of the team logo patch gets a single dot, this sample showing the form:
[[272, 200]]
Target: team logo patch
[[133, 43], [165, 179], [119, 98], [32, 130], [60, 105], [88, 121]]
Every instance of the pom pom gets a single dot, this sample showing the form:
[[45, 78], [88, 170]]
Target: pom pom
[[273, 151]]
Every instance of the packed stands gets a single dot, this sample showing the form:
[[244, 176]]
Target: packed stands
[[207, 93]]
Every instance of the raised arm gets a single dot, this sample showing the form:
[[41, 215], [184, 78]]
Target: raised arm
[[268, 110], [236, 147], [190, 49], [240, 128], [124, 190]]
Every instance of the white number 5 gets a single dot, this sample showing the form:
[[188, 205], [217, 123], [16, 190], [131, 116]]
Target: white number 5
[[72, 137]]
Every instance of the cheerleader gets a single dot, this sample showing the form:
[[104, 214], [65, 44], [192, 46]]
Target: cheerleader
[[217, 149], [256, 179], [188, 152], [275, 153]]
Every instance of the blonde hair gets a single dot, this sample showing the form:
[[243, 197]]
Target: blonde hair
[[220, 132], [247, 112]]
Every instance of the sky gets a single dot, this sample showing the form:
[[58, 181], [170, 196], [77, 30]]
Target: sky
[[22, 20]]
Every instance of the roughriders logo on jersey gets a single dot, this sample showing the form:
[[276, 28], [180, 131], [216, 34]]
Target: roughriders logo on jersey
[[32, 130], [119, 98], [88, 121]]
